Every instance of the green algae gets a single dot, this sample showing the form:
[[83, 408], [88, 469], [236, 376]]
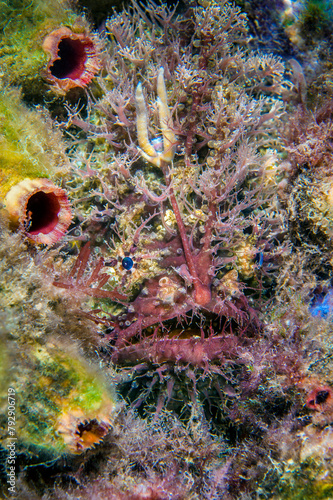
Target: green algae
[[306, 481], [57, 388], [30, 146], [23, 25]]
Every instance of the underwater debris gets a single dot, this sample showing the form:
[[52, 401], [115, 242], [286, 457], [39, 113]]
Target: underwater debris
[[74, 59], [39, 209]]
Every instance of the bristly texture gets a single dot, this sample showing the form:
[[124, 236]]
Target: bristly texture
[[179, 252], [308, 194], [186, 238]]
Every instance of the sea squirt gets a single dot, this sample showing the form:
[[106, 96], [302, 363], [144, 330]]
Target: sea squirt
[[40, 209]]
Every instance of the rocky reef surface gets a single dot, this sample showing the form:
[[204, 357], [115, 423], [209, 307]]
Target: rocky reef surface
[[166, 261]]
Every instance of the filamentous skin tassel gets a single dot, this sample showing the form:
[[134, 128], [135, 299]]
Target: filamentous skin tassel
[[163, 159], [147, 150], [39, 209]]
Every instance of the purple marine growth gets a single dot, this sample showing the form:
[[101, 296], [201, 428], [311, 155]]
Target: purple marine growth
[[191, 264], [192, 214]]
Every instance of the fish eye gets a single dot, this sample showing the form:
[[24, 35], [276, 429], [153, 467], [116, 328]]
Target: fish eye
[[127, 263]]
